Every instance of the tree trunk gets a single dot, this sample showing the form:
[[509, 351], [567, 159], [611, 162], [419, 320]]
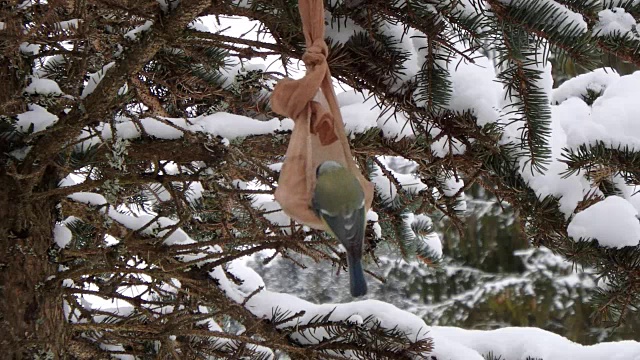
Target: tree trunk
[[31, 313]]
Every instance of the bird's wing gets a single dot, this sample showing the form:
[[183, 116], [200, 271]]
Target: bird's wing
[[347, 226]]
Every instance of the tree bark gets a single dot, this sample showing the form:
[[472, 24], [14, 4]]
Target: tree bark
[[31, 313]]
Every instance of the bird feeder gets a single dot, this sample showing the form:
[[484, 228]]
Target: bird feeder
[[318, 134]]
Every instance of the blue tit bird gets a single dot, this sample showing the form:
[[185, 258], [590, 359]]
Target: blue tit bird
[[338, 199]]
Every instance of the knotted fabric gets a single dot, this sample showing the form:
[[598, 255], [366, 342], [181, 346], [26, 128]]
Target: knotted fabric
[[318, 134]]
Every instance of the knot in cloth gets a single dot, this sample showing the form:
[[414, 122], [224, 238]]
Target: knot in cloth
[[316, 54]]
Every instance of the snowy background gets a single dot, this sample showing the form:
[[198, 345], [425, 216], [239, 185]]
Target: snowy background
[[612, 119]]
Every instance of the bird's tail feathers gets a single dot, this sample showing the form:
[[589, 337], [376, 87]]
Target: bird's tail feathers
[[358, 284]]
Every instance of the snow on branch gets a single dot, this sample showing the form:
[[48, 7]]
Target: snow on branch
[[558, 15], [613, 222], [448, 342], [615, 21], [524, 343]]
